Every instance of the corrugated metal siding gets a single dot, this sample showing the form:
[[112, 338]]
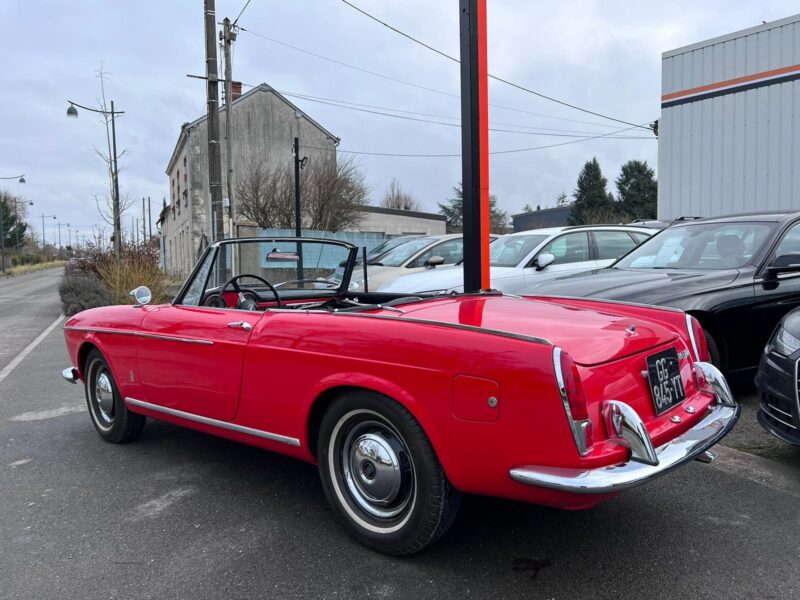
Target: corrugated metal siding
[[737, 152]]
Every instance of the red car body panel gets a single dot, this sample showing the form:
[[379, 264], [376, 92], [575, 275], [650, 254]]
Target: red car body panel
[[439, 358]]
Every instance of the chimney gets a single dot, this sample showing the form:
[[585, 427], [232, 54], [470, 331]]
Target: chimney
[[236, 90]]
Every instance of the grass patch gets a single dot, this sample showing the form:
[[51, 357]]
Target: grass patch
[[22, 269]]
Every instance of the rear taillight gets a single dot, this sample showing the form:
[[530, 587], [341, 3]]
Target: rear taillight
[[698, 339], [574, 399]]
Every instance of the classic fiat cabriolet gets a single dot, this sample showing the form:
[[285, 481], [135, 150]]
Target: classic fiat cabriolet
[[406, 402]]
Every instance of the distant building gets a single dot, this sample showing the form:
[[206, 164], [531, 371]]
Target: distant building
[[391, 221], [729, 132], [264, 125], [546, 217]]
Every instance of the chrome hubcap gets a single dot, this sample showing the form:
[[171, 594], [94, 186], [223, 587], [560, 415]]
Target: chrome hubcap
[[104, 396], [377, 470]]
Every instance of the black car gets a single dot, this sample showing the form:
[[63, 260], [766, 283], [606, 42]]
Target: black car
[[737, 275], [777, 381]]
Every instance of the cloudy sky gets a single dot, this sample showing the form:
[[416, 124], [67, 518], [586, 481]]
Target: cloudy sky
[[601, 55]]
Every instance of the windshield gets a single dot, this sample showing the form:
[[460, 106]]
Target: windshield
[[508, 251], [286, 264], [397, 256], [699, 246], [391, 243]]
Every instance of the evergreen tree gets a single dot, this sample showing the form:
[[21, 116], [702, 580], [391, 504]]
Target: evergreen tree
[[528, 209], [593, 203], [637, 190], [11, 225], [453, 211], [562, 199]]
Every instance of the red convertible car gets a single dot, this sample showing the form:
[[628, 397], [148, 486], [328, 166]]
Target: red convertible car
[[406, 402]]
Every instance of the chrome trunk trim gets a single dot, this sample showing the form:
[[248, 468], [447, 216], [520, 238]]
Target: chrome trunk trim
[[275, 437]]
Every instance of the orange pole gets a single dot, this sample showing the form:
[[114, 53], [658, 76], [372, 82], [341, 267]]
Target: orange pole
[[483, 120]]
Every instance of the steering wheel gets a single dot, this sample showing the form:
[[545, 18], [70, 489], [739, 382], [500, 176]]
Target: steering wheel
[[243, 302]]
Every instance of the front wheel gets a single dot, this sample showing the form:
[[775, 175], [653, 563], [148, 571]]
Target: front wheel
[[381, 475], [110, 417]]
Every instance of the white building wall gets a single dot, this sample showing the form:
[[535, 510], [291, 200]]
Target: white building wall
[[738, 151]]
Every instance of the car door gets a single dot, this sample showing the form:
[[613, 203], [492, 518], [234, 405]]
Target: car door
[[190, 358], [610, 244], [572, 252], [776, 295]]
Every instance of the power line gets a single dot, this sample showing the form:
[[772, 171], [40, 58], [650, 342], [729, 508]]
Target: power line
[[419, 120], [236, 20], [437, 155], [495, 77], [412, 84]]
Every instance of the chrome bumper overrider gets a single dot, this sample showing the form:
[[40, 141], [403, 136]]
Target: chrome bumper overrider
[[646, 462], [70, 374]]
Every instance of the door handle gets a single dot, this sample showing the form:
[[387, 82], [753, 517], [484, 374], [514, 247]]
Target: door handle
[[240, 325]]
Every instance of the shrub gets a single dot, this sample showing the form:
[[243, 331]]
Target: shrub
[[79, 292], [136, 266]]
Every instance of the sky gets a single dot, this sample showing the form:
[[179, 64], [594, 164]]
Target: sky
[[604, 56]]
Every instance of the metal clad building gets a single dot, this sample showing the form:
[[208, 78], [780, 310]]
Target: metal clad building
[[729, 133]]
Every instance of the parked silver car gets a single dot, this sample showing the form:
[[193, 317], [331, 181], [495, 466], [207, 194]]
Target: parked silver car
[[520, 260]]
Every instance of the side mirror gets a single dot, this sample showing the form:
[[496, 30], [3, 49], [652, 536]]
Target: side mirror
[[433, 262], [544, 259], [785, 263], [141, 295]]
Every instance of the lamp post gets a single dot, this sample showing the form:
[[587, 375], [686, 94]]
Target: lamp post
[[59, 236], [16, 223], [20, 179], [72, 112], [44, 240]]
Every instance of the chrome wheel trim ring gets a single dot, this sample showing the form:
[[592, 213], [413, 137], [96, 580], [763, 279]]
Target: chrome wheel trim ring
[[344, 492], [101, 396]]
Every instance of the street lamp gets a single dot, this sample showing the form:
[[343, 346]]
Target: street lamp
[[16, 223], [59, 236], [44, 241], [20, 179], [72, 113]]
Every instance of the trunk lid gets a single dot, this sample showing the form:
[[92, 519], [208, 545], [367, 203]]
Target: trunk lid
[[590, 336]]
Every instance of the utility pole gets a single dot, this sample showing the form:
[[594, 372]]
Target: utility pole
[[144, 222], [150, 220], [2, 239], [212, 94], [299, 163], [228, 36]]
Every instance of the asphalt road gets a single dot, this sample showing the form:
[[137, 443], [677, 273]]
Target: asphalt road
[[179, 514]]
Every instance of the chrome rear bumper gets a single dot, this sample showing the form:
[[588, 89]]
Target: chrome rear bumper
[[646, 464], [70, 374]]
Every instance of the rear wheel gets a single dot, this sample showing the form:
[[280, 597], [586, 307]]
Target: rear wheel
[[381, 475], [110, 417], [713, 351]]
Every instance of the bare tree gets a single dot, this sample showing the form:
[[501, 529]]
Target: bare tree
[[335, 194], [266, 196], [105, 207], [398, 199]]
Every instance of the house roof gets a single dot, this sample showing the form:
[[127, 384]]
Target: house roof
[[261, 88]]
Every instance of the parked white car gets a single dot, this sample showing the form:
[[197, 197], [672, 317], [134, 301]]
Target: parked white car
[[414, 256], [522, 260]]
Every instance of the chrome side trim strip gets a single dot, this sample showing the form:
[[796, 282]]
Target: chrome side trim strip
[[768, 408], [691, 336], [404, 319], [215, 423], [155, 336]]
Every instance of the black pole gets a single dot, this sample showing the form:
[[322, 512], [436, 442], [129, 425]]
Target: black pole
[[470, 145], [16, 230], [364, 261], [2, 239], [297, 216], [116, 204]]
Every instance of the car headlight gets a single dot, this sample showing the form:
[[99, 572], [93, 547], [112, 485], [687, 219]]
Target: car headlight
[[783, 342]]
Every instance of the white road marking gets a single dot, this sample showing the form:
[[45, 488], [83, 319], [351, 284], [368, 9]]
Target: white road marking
[[28, 349], [152, 508], [19, 463], [41, 415]]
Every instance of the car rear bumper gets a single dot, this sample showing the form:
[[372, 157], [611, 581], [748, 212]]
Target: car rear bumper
[[692, 444]]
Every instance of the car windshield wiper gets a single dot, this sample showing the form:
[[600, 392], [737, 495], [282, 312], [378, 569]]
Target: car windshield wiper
[[376, 264]]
